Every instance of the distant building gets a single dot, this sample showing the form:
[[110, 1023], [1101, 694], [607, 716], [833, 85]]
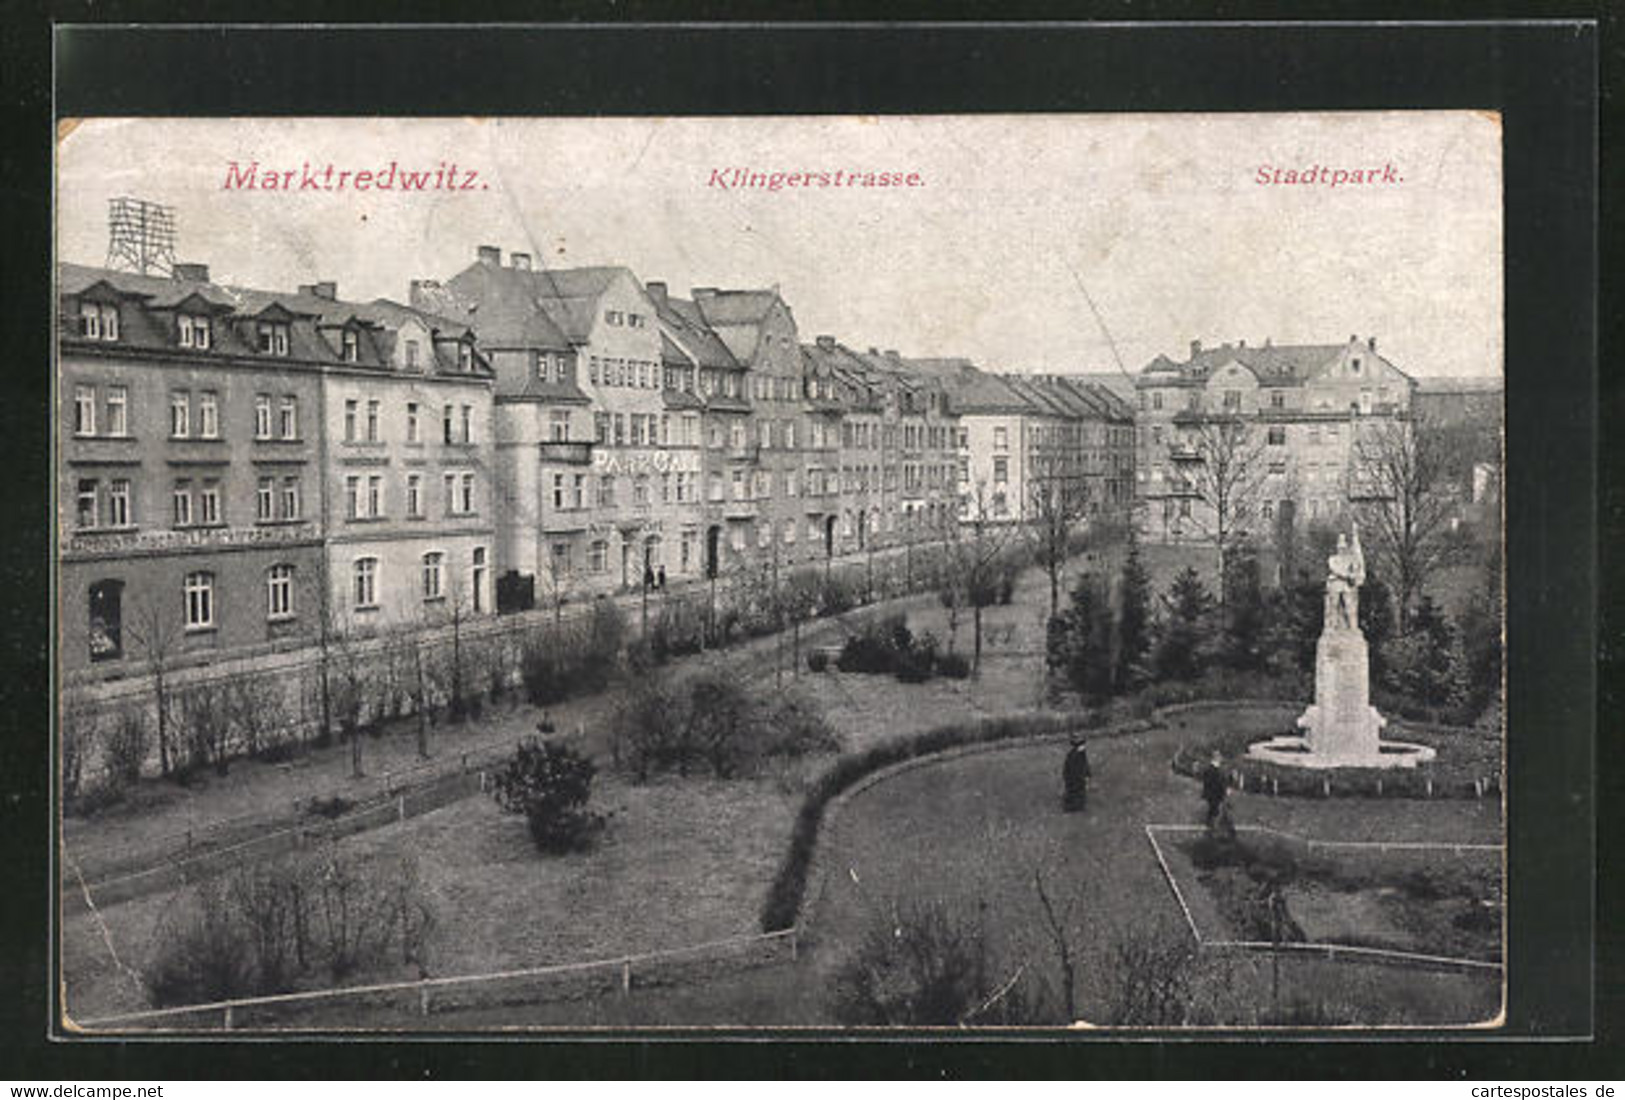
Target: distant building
[[1300, 408]]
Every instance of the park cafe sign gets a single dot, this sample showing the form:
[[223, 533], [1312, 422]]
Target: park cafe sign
[[611, 461]]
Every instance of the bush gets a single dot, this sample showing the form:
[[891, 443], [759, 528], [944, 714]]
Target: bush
[[550, 784], [127, 742], [818, 661], [954, 666], [923, 966], [795, 726]]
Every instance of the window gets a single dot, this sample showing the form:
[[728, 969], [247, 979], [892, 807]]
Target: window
[[558, 492], [350, 407], [468, 494], [118, 502], [411, 355], [375, 495], [612, 317], [1277, 400], [199, 601], [262, 416], [265, 500], [468, 424], [208, 412], [366, 583], [273, 338], [640, 490], [84, 410], [180, 414], [98, 321], [1354, 365], [194, 331], [1001, 439], [541, 360], [1365, 401], [414, 496], [181, 498], [450, 482], [465, 357], [352, 497], [372, 421], [1277, 437], [598, 556], [85, 512], [434, 568], [412, 422], [606, 491], [1269, 509], [1232, 399], [118, 403], [1001, 470], [290, 498], [290, 418], [559, 425], [279, 592], [561, 559], [478, 580], [209, 501], [445, 423], [620, 429], [350, 346], [106, 620]]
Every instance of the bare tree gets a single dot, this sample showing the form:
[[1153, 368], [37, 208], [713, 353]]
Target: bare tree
[[1222, 466], [156, 627], [1066, 957], [1401, 485], [1057, 507], [975, 552]]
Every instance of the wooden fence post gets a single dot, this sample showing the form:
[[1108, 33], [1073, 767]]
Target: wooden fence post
[[626, 978]]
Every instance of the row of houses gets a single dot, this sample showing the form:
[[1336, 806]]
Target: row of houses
[[243, 469]]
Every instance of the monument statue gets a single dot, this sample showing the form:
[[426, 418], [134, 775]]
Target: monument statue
[[1341, 728], [1345, 573]]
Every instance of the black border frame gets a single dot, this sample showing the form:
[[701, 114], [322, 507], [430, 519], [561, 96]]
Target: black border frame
[[1542, 76]]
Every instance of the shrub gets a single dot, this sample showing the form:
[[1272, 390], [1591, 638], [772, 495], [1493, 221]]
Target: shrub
[[923, 966], [876, 647], [127, 742], [329, 806], [954, 666], [795, 726], [200, 955], [818, 661], [78, 725], [550, 784]]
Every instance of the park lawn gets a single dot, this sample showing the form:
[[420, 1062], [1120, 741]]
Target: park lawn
[[972, 832]]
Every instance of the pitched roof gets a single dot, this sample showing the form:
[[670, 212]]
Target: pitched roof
[[736, 307], [980, 392], [544, 309], [686, 322], [1273, 364]]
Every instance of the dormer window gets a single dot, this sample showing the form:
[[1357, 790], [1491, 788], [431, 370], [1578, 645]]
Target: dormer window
[[273, 338], [465, 357], [98, 321], [350, 346], [1354, 365], [194, 331], [541, 366], [411, 355], [612, 317]]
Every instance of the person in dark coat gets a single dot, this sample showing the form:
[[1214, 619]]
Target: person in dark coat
[[1075, 773], [1215, 788]]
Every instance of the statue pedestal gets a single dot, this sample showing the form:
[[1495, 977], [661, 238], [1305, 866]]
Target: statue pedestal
[[1341, 729], [1342, 722]]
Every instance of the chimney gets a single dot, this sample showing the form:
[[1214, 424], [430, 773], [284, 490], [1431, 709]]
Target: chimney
[[1269, 342], [519, 260], [1372, 343], [657, 291], [703, 292], [827, 343], [191, 273], [1241, 344], [1196, 348], [489, 254], [1354, 338], [326, 289], [875, 352]]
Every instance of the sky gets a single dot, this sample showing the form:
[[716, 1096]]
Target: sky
[[1035, 242]]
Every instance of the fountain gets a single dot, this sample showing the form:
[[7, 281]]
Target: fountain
[[1341, 729]]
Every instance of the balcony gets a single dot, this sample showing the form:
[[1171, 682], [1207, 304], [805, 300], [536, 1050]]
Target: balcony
[[568, 454], [1183, 452]]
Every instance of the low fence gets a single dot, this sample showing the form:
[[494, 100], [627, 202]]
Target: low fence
[[173, 873], [1330, 951], [400, 1002]]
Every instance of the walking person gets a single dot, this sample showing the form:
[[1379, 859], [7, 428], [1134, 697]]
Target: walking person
[[1075, 774]]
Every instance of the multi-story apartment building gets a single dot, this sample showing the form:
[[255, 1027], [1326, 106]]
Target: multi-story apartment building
[[763, 511], [407, 424], [846, 378], [1299, 410], [595, 502], [241, 468], [188, 468]]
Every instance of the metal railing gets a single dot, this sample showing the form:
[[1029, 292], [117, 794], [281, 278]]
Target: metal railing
[[425, 996]]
